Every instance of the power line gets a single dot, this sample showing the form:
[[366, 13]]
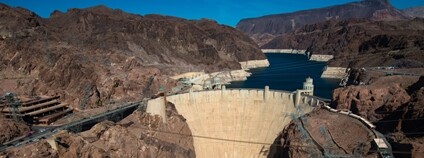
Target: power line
[[383, 121], [251, 142], [389, 112]]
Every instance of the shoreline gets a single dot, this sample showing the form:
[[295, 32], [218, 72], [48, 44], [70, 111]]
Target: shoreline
[[285, 51], [313, 57], [251, 64], [320, 57], [334, 72], [224, 77], [328, 72]]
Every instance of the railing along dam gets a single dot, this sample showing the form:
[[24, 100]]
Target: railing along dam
[[235, 122]]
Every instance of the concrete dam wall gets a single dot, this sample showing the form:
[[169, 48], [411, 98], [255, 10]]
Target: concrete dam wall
[[236, 122]]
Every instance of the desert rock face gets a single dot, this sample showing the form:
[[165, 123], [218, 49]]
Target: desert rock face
[[279, 24], [98, 55], [11, 129], [322, 133], [138, 135], [360, 43], [406, 123], [395, 104], [371, 102]]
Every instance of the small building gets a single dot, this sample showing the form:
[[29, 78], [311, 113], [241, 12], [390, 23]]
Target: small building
[[308, 85], [382, 148], [381, 144], [207, 85], [216, 83]]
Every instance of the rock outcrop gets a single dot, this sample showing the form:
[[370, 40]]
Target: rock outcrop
[[371, 102], [360, 43], [99, 55], [324, 134], [138, 135], [403, 126], [279, 24], [11, 129], [396, 106]]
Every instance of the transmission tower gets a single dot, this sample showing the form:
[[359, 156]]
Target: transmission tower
[[13, 103], [86, 96]]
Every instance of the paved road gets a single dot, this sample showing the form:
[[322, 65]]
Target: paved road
[[390, 71], [45, 134]]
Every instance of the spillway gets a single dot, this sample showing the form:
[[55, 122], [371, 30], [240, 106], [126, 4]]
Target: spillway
[[235, 122]]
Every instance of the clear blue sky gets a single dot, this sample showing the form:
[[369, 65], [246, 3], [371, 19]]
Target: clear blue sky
[[227, 12]]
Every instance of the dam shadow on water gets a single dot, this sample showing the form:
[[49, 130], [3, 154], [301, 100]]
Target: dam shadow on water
[[288, 72]]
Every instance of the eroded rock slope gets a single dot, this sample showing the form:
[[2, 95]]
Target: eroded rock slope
[[99, 55]]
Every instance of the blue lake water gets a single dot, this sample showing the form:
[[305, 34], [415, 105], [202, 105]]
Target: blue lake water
[[288, 72]]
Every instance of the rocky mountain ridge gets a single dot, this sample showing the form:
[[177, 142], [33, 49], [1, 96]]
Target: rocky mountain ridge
[[99, 55], [262, 29], [359, 42]]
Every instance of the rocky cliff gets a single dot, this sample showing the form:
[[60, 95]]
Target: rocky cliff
[[394, 104], [138, 135], [262, 27], [99, 55], [324, 134], [11, 129], [371, 102], [360, 43]]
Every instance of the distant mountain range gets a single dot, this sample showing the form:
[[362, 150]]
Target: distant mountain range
[[414, 12], [360, 42], [263, 29]]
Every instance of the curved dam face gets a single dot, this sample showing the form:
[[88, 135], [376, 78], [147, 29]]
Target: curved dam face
[[235, 123]]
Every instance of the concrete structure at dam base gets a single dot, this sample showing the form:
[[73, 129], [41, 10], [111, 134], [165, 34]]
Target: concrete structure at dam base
[[237, 122]]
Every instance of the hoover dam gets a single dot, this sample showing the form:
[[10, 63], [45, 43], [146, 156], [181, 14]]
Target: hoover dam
[[237, 122]]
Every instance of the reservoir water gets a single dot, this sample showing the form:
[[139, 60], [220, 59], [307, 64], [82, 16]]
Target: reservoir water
[[288, 72]]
